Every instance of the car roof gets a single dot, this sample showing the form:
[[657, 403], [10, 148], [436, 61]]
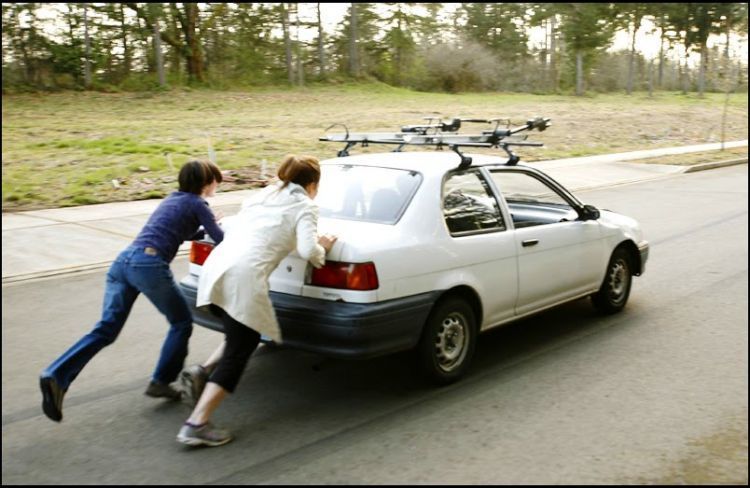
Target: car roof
[[425, 162]]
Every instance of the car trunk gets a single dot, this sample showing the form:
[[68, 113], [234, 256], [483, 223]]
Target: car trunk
[[357, 242]]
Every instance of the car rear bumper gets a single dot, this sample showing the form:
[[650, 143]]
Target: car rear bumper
[[342, 329]]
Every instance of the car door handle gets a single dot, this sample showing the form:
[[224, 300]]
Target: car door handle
[[530, 242]]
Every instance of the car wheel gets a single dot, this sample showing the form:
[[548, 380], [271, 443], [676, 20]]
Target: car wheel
[[448, 340], [615, 290]]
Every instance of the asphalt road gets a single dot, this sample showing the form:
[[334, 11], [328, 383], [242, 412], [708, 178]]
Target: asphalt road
[[656, 394]]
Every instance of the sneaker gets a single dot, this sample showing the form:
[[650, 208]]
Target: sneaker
[[193, 381], [205, 435], [160, 390], [52, 397]]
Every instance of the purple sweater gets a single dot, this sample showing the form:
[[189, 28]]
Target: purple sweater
[[176, 220]]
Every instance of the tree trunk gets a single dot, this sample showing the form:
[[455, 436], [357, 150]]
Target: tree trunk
[[702, 72], [321, 52], [20, 44], [684, 76], [87, 42], [158, 57], [661, 58], [125, 47], [397, 54], [636, 26], [176, 55], [287, 43], [297, 50], [651, 78], [579, 73], [553, 55], [148, 58], [195, 63], [543, 55], [353, 55]]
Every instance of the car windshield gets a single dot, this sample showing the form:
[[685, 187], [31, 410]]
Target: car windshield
[[365, 193]]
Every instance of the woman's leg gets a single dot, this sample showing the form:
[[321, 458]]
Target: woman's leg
[[58, 376], [119, 297], [240, 343], [194, 378], [154, 278], [209, 365]]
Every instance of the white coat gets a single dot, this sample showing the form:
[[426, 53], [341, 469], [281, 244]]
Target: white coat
[[271, 224]]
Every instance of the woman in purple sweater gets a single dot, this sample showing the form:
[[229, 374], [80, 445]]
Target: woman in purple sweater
[[143, 267]]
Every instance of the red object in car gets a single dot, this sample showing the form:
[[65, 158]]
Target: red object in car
[[199, 251], [349, 276]]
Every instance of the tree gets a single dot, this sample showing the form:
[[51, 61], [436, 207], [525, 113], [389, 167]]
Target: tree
[[632, 15], [189, 46], [357, 45], [287, 42], [87, 44], [545, 14], [587, 28], [321, 44], [399, 41], [705, 19], [498, 26], [353, 37]]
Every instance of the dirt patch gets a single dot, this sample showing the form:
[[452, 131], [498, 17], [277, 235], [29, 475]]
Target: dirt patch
[[718, 458]]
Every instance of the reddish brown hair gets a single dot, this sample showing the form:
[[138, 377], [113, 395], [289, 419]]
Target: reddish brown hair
[[301, 170]]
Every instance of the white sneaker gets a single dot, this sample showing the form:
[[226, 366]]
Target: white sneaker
[[205, 435]]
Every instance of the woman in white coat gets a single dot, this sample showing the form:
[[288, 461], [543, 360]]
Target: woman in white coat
[[234, 280]]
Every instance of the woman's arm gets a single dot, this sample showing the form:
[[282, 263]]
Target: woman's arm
[[208, 220], [307, 238]]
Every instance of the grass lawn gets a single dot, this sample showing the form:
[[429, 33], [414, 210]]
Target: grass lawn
[[67, 148]]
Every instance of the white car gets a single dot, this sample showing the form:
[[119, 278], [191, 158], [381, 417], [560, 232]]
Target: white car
[[429, 256]]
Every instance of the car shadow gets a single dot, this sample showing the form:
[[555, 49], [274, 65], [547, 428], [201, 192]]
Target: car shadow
[[280, 384]]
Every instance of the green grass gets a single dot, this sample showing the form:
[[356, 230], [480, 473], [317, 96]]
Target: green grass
[[66, 148]]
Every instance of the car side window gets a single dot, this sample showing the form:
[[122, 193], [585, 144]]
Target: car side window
[[469, 206], [530, 200]]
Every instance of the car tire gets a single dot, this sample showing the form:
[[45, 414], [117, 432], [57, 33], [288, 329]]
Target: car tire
[[448, 341], [615, 290]]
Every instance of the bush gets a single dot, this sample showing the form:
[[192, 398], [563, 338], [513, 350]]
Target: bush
[[459, 67]]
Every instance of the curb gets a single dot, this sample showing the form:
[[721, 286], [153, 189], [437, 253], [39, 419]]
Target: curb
[[715, 164], [70, 270]]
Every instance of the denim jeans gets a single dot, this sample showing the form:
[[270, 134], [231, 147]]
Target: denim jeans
[[132, 273]]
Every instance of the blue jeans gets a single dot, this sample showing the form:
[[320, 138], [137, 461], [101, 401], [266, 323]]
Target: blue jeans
[[132, 273]]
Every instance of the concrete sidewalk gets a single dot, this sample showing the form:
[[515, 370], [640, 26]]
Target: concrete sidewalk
[[42, 243]]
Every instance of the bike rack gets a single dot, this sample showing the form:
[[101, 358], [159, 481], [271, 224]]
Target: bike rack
[[442, 134]]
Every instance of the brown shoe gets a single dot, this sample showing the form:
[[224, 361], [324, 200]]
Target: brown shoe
[[160, 390]]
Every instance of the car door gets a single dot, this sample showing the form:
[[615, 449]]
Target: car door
[[484, 250], [559, 255]]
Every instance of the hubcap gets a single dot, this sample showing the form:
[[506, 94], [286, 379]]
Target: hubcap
[[618, 280], [450, 342]]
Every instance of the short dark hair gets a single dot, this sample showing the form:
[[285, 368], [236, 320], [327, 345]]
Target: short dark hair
[[301, 170], [195, 175]]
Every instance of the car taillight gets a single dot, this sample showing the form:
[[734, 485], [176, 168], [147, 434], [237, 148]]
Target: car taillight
[[199, 251], [350, 276]]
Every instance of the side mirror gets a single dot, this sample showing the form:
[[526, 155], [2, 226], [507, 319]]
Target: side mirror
[[589, 212]]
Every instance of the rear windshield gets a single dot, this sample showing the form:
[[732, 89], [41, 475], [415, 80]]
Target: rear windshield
[[365, 193]]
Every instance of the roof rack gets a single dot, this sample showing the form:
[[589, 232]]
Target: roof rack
[[441, 134]]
